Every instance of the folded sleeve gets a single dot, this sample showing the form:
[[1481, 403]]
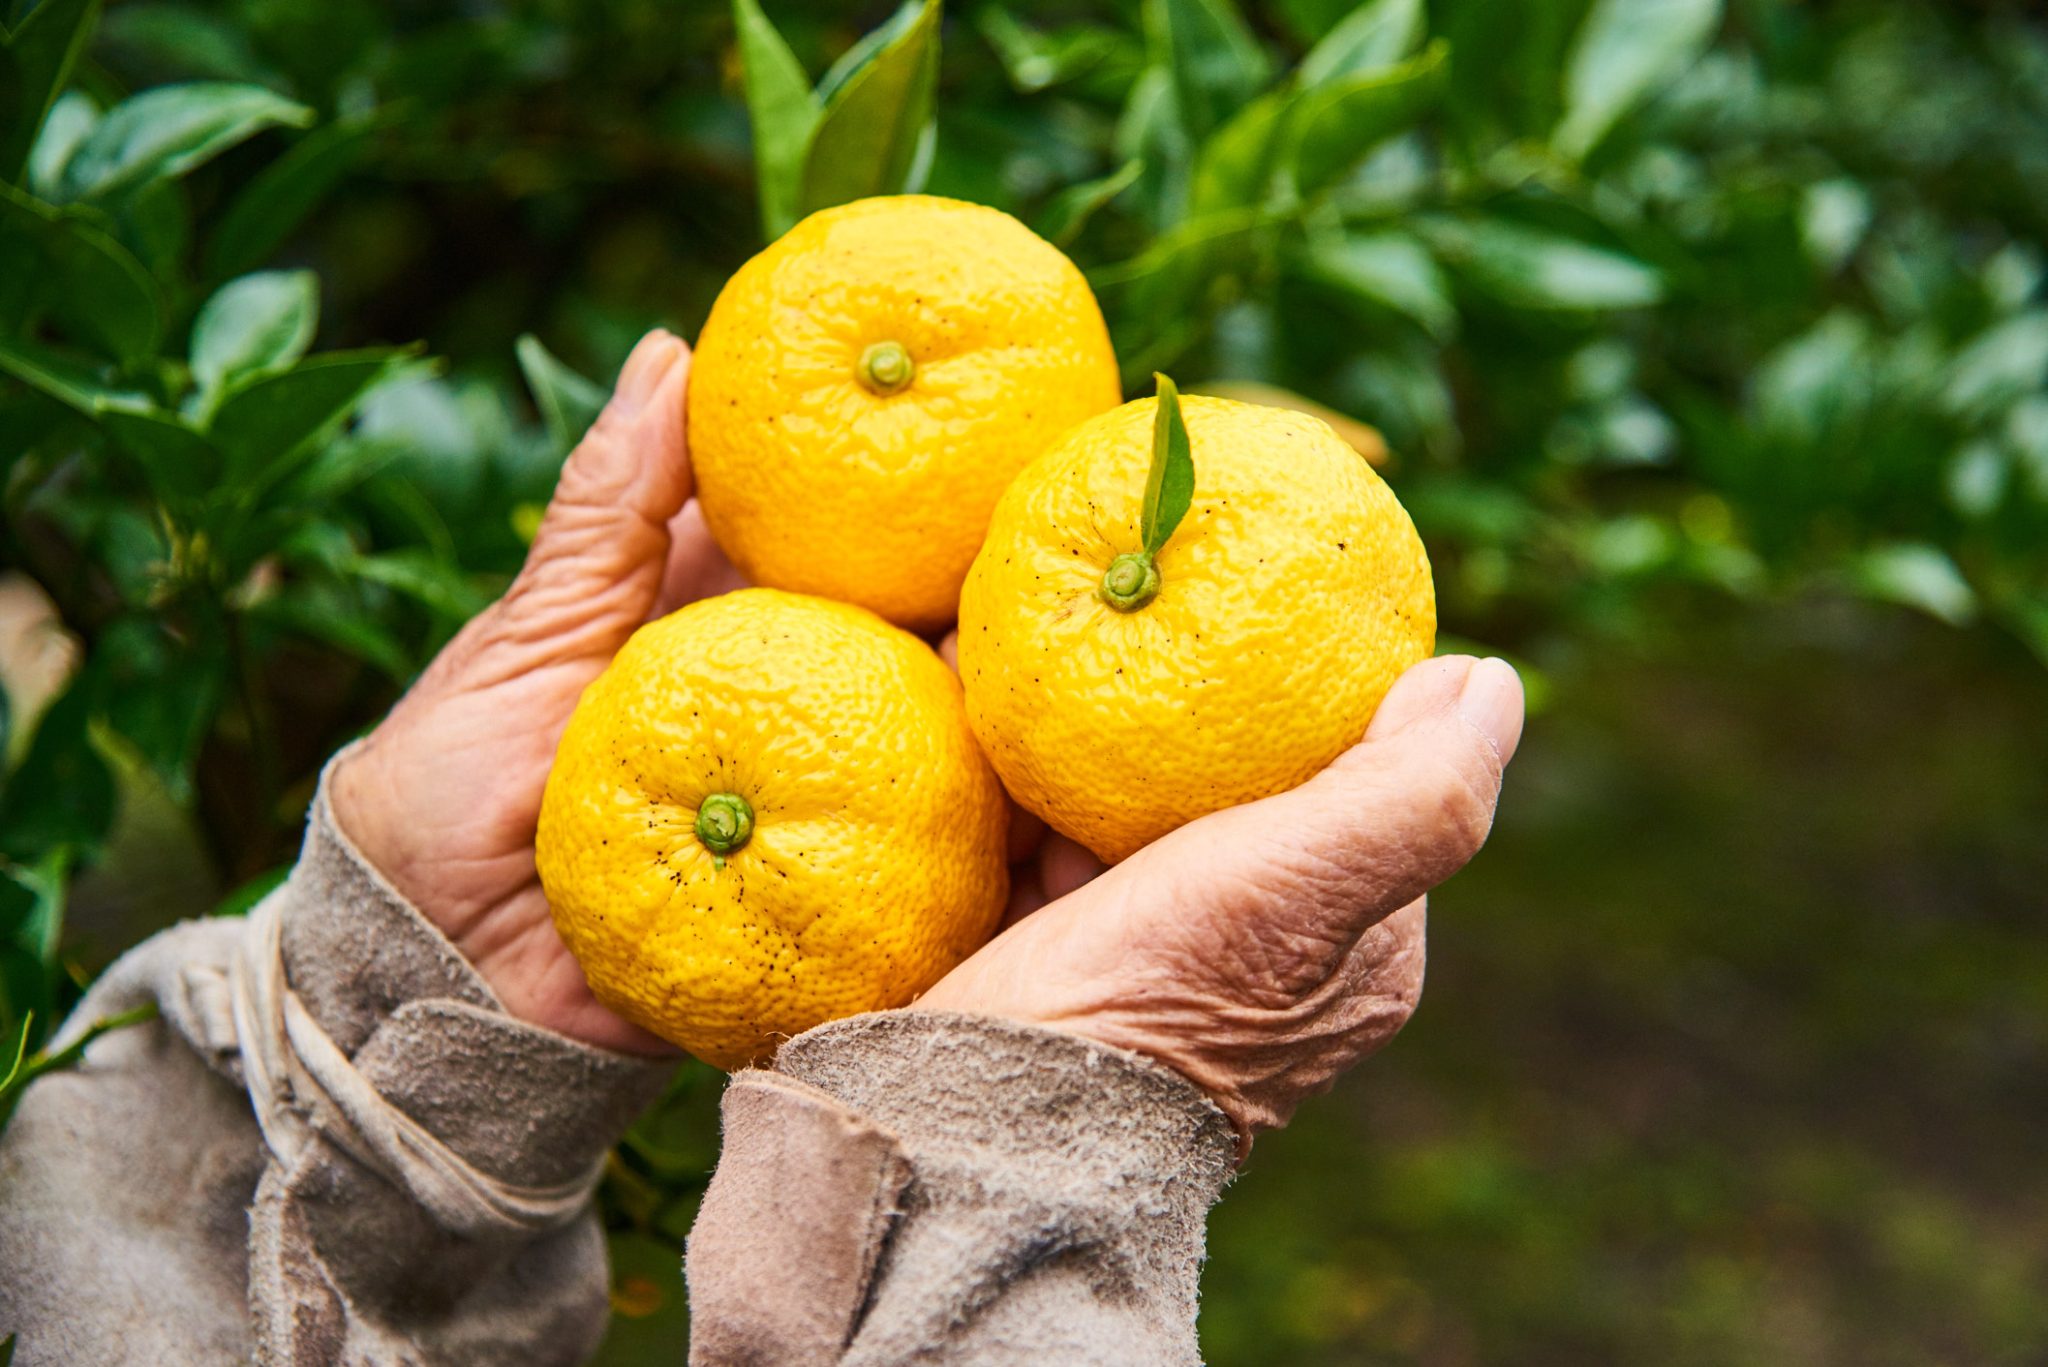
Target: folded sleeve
[[920, 1186], [333, 1145]]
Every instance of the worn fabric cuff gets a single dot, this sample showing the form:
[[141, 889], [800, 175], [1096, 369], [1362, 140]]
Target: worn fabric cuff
[[352, 1257], [913, 1171]]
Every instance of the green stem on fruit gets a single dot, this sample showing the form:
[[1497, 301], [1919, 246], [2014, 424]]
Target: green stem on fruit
[[724, 821], [1132, 579], [885, 368], [1130, 582]]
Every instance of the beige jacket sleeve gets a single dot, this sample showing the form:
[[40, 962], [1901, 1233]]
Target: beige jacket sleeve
[[924, 1187], [334, 1147], [416, 1191]]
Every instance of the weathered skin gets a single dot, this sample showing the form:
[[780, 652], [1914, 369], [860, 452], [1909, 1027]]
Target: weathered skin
[[1259, 951], [1291, 597], [814, 481], [876, 858]]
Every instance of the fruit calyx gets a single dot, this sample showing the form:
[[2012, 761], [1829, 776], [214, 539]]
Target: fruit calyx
[[724, 821], [1130, 582], [1132, 579], [885, 368]]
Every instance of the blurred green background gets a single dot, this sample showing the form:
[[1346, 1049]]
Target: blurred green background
[[1710, 341]]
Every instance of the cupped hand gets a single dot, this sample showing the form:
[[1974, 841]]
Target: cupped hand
[[444, 796], [1261, 951]]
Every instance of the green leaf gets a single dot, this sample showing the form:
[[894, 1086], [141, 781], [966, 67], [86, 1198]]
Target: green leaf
[[62, 377], [1623, 51], [1370, 38], [187, 40], [1340, 122], [1999, 366], [1215, 63], [1170, 484], [1237, 161], [320, 613], [61, 794], [1389, 270], [866, 141], [1069, 211], [1918, 576], [253, 324], [35, 64], [420, 576], [568, 402], [265, 421], [70, 119], [1034, 60], [1533, 268], [34, 904], [783, 111], [160, 694], [166, 132], [264, 214], [92, 284], [177, 460], [13, 1051]]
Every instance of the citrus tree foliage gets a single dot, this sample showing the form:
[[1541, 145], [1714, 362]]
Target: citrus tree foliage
[[1653, 299]]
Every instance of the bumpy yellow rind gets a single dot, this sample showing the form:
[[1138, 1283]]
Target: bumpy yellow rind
[[814, 482], [1292, 596], [876, 861]]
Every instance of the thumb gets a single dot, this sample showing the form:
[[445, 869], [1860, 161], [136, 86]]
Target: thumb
[[1387, 821], [598, 558]]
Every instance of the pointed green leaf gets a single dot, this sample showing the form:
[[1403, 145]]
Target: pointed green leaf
[[1371, 38], [866, 141], [63, 378], [1623, 51], [1170, 484], [320, 612], [1036, 60], [13, 1049], [1339, 123], [864, 49], [783, 112], [1389, 270], [179, 462], [159, 695], [166, 132], [265, 421], [35, 64], [70, 119], [1069, 211], [1237, 161], [92, 284], [420, 576], [267, 210], [61, 795], [1215, 63], [568, 402], [1534, 268], [256, 323]]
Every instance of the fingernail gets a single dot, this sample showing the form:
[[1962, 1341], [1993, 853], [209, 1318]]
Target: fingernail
[[1492, 701], [652, 359]]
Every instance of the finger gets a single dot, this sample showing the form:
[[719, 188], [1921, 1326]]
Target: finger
[[1066, 865], [1387, 821], [696, 568], [1027, 834], [949, 649], [599, 557]]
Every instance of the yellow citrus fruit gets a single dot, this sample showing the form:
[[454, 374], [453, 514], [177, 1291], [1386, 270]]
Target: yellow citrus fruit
[[866, 387], [1293, 594], [767, 813]]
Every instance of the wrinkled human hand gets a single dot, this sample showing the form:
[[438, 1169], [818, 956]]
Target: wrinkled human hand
[[1262, 950], [444, 796]]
